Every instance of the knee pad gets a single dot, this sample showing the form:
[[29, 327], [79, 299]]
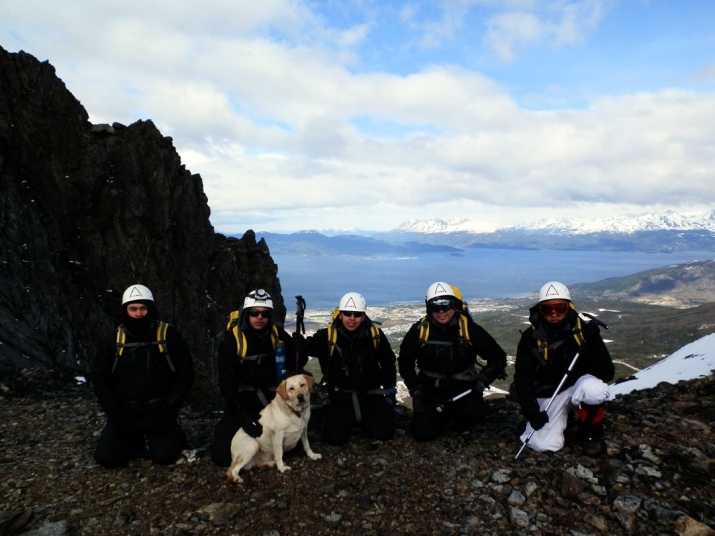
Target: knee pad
[[590, 414]]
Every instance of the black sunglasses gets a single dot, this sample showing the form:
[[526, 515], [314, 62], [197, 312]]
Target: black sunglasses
[[356, 314], [256, 314], [440, 306]]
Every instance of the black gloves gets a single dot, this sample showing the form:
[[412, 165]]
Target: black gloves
[[481, 385], [251, 425], [538, 420], [300, 345], [390, 396], [419, 404]]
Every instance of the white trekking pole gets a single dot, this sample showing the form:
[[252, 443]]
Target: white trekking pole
[[546, 409]]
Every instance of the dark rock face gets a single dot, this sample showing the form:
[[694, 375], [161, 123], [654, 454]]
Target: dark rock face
[[87, 210]]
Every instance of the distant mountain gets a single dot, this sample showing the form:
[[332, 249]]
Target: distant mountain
[[680, 285], [666, 232], [317, 244], [669, 231]]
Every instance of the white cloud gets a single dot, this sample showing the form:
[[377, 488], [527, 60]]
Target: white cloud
[[268, 103]]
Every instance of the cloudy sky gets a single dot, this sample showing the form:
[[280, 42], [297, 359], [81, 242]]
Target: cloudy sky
[[366, 113]]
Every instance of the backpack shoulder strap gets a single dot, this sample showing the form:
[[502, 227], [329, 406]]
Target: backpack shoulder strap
[[424, 331], [275, 336], [332, 339], [375, 335], [232, 326], [121, 339], [464, 330], [161, 330]]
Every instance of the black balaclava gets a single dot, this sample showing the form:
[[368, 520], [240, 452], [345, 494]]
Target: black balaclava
[[140, 327]]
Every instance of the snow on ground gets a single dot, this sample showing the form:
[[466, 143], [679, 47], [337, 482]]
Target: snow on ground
[[695, 360]]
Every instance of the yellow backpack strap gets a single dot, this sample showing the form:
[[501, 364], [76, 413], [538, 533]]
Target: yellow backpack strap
[[241, 344], [121, 339], [232, 326], [424, 331], [375, 333], [275, 336], [332, 339], [464, 331], [161, 330], [578, 332]]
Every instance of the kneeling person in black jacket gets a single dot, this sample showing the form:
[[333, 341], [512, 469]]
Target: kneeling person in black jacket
[[438, 361], [359, 365], [141, 374]]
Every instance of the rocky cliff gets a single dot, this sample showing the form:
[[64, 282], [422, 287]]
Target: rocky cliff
[[85, 211]]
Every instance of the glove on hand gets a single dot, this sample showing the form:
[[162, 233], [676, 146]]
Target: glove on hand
[[481, 385], [251, 425], [419, 404], [391, 395], [538, 420], [299, 343]]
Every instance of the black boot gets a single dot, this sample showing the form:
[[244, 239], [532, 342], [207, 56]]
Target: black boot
[[590, 429]]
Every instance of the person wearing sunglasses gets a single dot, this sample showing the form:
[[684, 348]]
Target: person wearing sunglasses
[[544, 354], [359, 370], [438, 362], [247, 374]]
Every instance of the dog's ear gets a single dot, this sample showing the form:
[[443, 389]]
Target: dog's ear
[[311, 382], [281, 390]]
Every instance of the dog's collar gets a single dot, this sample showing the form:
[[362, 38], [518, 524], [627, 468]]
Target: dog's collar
[[296, 413]]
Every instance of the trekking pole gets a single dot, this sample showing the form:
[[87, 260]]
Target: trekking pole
[[546, 409], [440, 408]]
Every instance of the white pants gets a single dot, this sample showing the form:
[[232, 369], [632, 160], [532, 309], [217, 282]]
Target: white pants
[[587, 389]]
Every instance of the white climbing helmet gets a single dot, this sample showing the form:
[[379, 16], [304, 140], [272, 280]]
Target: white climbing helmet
[[553, 290], [438, 290], [352, 301], [136, 293], [258, 298]]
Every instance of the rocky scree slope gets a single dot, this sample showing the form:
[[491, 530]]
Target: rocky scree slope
[[655, 478]]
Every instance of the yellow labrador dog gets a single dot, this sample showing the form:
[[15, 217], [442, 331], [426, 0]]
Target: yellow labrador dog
[[285, 422]]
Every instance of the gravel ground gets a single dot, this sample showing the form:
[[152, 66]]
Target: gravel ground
[[656, 477]]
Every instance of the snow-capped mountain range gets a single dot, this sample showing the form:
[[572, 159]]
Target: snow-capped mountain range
[[653, 232], [666, 232], [627, 223]]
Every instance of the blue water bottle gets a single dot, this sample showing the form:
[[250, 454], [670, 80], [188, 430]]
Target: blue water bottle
[[280, 359]]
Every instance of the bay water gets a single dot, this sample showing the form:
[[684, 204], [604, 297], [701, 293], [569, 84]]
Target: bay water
[[478, 273]]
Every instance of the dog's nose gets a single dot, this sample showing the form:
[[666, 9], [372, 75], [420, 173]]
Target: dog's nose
[[301, 397]]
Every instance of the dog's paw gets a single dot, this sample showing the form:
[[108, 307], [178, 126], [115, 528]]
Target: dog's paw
[[284, 468], [314, 456], [231, 479]]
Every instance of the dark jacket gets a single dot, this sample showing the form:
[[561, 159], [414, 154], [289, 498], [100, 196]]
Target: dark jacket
[[446, 356], [535, 377], [355, 364], [142, 376], [257, 369]]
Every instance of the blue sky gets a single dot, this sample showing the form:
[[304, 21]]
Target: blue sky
[[364, 114]]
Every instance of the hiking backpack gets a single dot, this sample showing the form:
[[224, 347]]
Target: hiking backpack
[[241, 343], [162, 328]]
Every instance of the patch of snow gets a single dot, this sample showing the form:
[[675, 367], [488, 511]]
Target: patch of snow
[[695, 360]]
